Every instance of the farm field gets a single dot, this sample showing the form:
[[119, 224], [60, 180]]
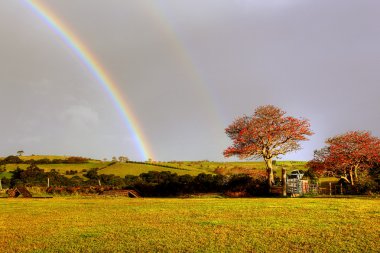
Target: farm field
[[115, 224]]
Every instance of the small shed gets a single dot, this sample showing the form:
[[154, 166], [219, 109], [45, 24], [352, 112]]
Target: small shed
[[16, 192]]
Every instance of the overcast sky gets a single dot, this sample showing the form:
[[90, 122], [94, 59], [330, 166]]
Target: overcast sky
[[187, 69]]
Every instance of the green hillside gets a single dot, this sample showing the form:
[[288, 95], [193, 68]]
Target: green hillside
[[132, 168], [235, 167], [122, 169]]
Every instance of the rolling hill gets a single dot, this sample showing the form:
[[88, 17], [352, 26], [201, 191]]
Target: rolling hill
[[136, 168]]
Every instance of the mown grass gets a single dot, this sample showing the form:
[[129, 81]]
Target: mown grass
[[190, 225]]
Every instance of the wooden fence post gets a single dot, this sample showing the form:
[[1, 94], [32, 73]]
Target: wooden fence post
[[48, 182], [330, 188], [341, 189], [283, 182]]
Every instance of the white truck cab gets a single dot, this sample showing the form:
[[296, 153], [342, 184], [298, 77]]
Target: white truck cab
[[296, 174]]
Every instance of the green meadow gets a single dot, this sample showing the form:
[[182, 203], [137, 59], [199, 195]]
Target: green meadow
[[116, 224]]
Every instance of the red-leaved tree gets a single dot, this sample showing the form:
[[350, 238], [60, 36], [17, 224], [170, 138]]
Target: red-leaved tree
[[347, 154], [267, 134]]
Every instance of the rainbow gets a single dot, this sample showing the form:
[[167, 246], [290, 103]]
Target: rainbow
[[96, 69]]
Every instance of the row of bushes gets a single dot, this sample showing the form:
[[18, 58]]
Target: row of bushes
[[17, 160], [164, 183], [153, 183]]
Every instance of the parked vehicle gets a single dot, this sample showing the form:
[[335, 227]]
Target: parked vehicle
[[296, 174]]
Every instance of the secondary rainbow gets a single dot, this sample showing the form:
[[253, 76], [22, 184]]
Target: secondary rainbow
[[97, 71], [182, 53]]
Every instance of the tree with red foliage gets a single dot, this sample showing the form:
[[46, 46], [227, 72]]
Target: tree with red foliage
[[267, 134], [347, 154]]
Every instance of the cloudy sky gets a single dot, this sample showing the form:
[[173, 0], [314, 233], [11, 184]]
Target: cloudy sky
[[186, 70]]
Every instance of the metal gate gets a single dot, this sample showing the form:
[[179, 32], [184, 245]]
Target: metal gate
[[298, 186]]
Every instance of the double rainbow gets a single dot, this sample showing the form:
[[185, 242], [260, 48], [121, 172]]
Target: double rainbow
[[104, 79]]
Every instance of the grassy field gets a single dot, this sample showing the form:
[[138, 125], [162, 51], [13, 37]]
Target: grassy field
[[190, 225]]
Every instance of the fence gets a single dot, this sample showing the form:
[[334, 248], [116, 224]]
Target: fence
[[300, 187]]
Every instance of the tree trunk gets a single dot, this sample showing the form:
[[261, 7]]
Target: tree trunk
[[356, 173], [351, 177], [269, 165]]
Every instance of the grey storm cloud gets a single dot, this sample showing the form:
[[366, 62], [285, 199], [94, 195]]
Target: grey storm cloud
[[186, 69]]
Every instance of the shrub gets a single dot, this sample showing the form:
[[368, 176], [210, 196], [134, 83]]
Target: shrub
[[5, 182], [31, 176], [92, 174], [75, 160], [11, 160]]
